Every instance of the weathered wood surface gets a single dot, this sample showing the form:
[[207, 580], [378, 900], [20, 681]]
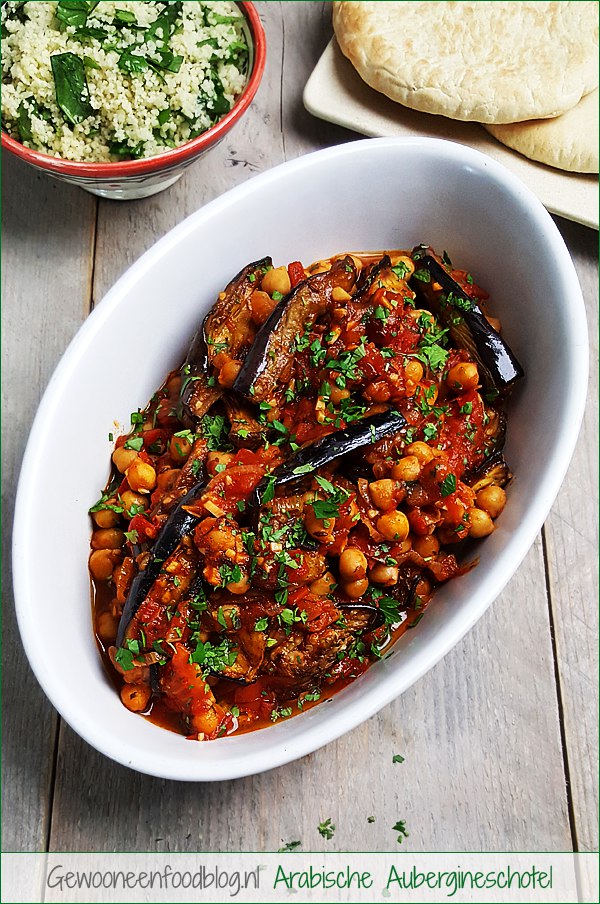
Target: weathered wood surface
[[498, 739]]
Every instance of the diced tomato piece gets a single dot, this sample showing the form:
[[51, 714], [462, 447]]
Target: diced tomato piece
[[146, 530], [296, 273]]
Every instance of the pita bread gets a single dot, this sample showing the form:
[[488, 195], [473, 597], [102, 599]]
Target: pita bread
[[569, 142], [492, 62]]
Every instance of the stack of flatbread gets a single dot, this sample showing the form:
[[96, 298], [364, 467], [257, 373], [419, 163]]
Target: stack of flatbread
[[528, 71]]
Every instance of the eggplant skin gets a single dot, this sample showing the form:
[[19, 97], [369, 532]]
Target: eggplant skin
[[225, 328], [468, 325], [331, 447], [179, 524], [269, 359]]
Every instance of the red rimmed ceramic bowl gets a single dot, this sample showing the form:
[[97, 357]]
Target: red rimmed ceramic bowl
[[134, 179]]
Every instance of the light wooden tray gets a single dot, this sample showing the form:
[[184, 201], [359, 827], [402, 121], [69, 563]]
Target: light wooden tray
[[335, 92]]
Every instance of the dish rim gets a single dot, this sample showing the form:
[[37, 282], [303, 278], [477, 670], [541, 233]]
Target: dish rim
[[174, 157], [389, 686]]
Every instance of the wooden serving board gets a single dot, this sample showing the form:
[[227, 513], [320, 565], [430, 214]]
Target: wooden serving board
[[335, 92]]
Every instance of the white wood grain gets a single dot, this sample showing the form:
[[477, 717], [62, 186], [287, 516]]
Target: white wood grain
[[572, 551], [46, 254]]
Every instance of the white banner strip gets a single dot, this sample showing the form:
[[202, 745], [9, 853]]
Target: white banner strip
[[299, 877]]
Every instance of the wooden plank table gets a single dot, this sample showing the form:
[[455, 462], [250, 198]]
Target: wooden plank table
[[499, 740]]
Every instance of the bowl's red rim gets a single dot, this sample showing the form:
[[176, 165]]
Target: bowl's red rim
[[186, 152]]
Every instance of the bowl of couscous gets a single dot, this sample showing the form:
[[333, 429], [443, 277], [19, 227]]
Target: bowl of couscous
[[120, 97]]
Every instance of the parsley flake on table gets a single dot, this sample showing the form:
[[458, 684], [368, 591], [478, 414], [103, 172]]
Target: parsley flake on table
[[289, 846], [400, 827], [397, 758], [326, 829]]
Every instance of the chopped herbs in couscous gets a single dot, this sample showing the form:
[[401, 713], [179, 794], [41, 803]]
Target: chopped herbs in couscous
[[101, 82]]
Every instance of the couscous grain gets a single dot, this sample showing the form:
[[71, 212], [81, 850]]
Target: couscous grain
[[107, 81]]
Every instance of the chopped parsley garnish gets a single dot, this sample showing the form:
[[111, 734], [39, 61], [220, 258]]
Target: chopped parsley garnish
[[289, 846], [400, 270], [400, 827], [397, 758], [422, 275], [134, 442], [448, 485], [326, 829], [213, 657]]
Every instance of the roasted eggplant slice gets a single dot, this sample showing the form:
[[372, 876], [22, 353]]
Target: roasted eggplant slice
[[499, 369], [225, 328], [492, 472], [245, 429], [267, 366], [361, 618], [179, 524], [363, 433]]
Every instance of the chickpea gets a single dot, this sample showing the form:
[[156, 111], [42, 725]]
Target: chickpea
[[426, 546], [481, 525], [217, 458], [337, 395], [492, 500], [353, 564], [174, 386], [106, 626], [423, 589], [228, 373], [179, 449], [218, 540], [356, 589], [408, 264], [339, 294], [123, 457], [276, 280], [108, 538], [131, 500], [393, 525], [141, 476], [136, 697], [421, 451], [463, 376], [384, 575], [324, 585], [102, 562], [319, 528], [382, 493], [261, 305], [106, 517], [413, 371], [166, 480], [238, 587], [408, 468]]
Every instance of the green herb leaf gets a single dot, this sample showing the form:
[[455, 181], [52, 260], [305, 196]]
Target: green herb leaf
[[134, 442], [448, 485], [401, 269], [397, 758], [269, 493], [422, 275], [73, 12], [72, 93], [289, 846], [132, 63], [326, 829], [400, 827]]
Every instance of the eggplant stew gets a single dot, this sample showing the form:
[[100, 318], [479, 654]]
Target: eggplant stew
[[288, 501]]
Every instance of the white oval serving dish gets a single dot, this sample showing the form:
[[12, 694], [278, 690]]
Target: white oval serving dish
[[373, 194]]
